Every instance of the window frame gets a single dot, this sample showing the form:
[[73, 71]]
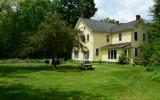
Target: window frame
[[135, 52], [97, 51], [120, 36], [107, 38], [136, 36], [112, 54], [88, 37], [144, 37]]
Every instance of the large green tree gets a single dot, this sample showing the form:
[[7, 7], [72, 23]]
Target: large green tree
[[151, 51], [71, 10], [54, 37], [19, 19]]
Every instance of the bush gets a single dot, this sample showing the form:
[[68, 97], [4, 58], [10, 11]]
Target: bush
[[149, 69], [122, 59], [47, 61], [156, 76], [155, 60], [137, 61]]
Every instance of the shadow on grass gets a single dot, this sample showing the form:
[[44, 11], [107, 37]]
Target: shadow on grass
[[11, 70], [68, 68], [22, 92], [8, 70]]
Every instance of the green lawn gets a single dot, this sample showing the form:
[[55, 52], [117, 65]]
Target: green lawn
[[106, 82]]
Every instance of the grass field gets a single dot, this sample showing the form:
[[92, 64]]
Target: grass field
[[68, 82]]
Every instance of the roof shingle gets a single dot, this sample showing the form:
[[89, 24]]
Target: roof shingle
[[98, 26]]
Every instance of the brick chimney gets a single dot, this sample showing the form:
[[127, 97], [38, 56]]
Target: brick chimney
[[138, 17]]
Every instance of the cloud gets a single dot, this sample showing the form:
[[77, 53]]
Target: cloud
[[123, 10]]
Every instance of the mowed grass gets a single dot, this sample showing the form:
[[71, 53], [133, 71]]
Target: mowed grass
[[107, 82]]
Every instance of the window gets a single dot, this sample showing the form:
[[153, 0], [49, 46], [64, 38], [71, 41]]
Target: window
[[86, 54], [109, 52], [76, 54], [112, 54], [135, 36], [120, 37], [115, 54], [144, 37], [97, 52], [107, 38], [125, 52], [136, 52], [83, 38], [88, 38]]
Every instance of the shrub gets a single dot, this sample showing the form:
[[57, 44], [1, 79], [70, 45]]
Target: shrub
[[149, 69], [156, 76], [47, 61], [122, 59], [155, 60]]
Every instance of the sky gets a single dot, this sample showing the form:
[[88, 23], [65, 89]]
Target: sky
[[123, 10]]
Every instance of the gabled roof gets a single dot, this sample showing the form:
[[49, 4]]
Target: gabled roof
[[98, 26], [118, 45], [124, 26]]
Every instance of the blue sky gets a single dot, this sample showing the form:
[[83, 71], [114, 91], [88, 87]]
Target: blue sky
[[123, 10]]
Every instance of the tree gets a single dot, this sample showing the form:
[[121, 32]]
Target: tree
[[71, 10], [151, 52], [109, 20], [21, 18], [54, 37]]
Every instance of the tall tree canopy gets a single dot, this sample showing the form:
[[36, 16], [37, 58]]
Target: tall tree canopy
[[54, 37], [109, 20], [151, 51], [19, 19], [71, 10]]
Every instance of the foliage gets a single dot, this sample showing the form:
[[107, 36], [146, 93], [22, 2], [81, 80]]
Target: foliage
[[71, 10], [151, 52], [122, 59], [19, 20], [109, 20], [156, 76], [54, 37]]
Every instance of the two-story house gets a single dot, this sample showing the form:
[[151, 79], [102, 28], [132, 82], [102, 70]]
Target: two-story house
[[106, 41]]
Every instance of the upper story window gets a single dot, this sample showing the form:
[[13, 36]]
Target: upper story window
[[120, 37], [88, 38], [135, 36], [144, 37], [107, 38], [97, 51], [83, 38]]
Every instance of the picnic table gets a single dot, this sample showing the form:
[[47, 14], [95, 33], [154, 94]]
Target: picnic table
[[86, 66]]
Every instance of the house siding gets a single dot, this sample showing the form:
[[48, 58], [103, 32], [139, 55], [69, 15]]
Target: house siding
[[98, 40]]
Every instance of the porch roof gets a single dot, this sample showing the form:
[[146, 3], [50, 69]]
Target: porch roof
[[118, 45]]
